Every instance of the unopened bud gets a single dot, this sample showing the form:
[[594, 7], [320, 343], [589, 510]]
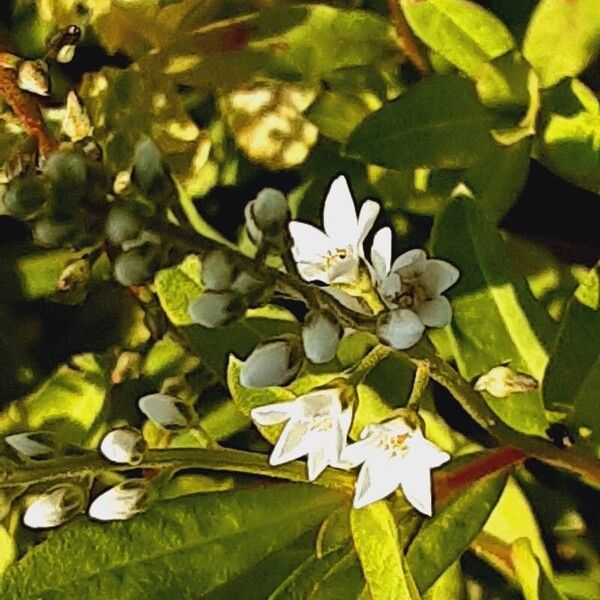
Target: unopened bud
[[54, 507], [66, 53], [53, 233], [76, 122], [218, 271], [269, 212], [166, 411], [38, 445], [121, 502], [135, 266], [68, 172], [216, 309], [75, 276], [320, 336], [124, 446], [400, 328], [501, 381], [122, 224], [274, 362], [25, 196], [149, 172]]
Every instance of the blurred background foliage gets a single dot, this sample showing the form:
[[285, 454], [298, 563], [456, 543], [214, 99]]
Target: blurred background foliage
[[243, 94]]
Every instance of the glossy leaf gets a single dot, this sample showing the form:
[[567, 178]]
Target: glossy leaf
[[180, 548], [445, 536], [553, 52], [438, 123], [464, 33], [495, 318], [375, 536]]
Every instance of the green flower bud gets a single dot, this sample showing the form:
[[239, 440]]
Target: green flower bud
[[135, 266], [25, 196], [218, 271], [150, 174], [122, 224], [215, 309], [320, 336], [54, 233], [274, 362], [68, 172], [270, 211]]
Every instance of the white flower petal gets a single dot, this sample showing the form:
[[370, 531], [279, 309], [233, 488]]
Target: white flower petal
[[123, 446], [293, 443], [366, 218], [27, 444], [312, 272], [436, 312], [438, 276], [317, 462], [376, 480], [391, 286], [120, 502], [400, 328], [164, 410], [319, 403], [415, 480], [427, 452], [358, 452], [410, 262], [310, 243], [345, 299], [339, 214], [381, 253], [272, 414]]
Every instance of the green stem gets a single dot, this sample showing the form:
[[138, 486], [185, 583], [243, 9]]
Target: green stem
[[362, 368], [419, 385], [223, 459]]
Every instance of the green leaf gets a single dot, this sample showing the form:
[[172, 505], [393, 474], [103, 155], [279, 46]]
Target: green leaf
[[495, 318], [449, 585], [343, 579], [462, 32], [8, 550], [573, 373], [438, 123], [383, 563], [68, 403], [569, 143], [181, 548], [445, 536], [563, 38], [535, 582], [334, 531]]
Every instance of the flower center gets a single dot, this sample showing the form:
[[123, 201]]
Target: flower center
[[395, 444], [332, 258], [321, 423], [412, 294]]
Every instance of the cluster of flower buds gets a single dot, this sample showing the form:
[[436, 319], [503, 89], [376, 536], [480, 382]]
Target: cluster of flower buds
[[229, 290]]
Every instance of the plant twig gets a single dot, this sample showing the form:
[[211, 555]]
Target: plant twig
[[410, 46]]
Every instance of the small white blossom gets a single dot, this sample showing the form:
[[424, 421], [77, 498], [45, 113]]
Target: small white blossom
[[32, 444], [320, 336], [501, 381], [400, 328], [413, 281], [120, 502], [124, 446], [166, 411], [273, 362], [394, 454], [54, 507], [334, 256], [316, 427]]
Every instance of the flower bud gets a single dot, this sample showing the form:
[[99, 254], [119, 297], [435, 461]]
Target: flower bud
[[149, 172], [122, 224], [76, 123], [53, 233], [167, 412], [218, 271], [124, 446], [501, 381], [135, 266], [54, 507], [320, 336], [68, 172], [25, 196], [32, 76], [400, 328], [216, 309], [66, 53], [39, 445], [268, 212], [120, 502], [274, 362]]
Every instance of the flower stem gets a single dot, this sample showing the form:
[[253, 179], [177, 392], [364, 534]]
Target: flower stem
[[362, 368]]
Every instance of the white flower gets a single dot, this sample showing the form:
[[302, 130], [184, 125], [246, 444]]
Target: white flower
[[333, 256], [166, 411], [400, 328], [54, 507], [316, 427], [32, 444], [120, 502], [124, 446], [413, 281], [272, 362], [321, 334], [393, 454]]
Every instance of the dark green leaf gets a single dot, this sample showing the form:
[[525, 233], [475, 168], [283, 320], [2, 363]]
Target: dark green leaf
[[445, 536], [438, 123]]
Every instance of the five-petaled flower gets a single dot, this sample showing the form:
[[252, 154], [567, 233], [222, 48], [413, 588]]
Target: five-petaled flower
[[317, 426], [333, 256], [394, 454], [413, 281]]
